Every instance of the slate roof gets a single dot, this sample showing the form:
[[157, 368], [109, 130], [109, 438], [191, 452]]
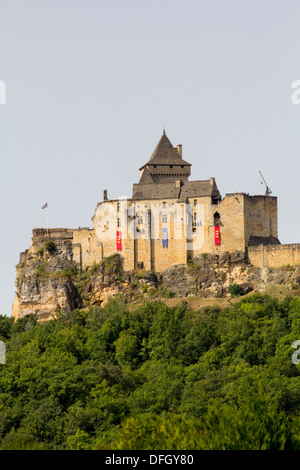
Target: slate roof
[[146, 177], [160, 176], [165, 154], [187, 190], [203, 188], [155, 191]]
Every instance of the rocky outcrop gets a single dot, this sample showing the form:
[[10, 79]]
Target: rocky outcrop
[[209, 275], [44, 282], [48, 281]]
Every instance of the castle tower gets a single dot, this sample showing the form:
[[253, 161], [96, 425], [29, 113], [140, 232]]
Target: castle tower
[[165, 165]]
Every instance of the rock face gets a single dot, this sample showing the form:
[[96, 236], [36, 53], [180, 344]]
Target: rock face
[[210, 275], [48, 281], [44, 284]]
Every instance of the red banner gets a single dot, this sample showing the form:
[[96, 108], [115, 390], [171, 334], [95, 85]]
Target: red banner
[[217, 235], [119, 241]]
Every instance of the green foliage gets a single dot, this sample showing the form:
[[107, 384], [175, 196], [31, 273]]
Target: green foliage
[[234, 289], [166, 292], [41, 251], [191, 263], [153, 378], [111, 265], [151, 432], [66, 273], [139, 275], [83, 276], [134, 284], [79, 441], [94, 268], [253, 426], [50, 246], [152, 292], [40, 271], [6, 324]]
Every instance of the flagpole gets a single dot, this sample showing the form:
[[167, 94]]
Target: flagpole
[[45, 206]]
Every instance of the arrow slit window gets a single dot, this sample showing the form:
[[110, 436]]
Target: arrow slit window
[[217, 219]]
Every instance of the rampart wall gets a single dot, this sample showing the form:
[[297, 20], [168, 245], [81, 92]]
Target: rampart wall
[[274, 256]]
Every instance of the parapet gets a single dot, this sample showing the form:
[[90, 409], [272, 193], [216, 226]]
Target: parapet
[[41, 234]]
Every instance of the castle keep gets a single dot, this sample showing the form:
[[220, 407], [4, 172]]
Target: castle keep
[[170, 219]]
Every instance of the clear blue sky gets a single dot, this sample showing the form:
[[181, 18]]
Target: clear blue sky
[[91, 83]]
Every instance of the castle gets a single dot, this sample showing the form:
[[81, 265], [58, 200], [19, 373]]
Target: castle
[[170, 219]]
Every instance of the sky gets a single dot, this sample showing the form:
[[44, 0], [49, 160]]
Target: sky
[[91, 84]]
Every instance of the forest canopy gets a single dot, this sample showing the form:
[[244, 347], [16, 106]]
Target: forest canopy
[[153, 378]]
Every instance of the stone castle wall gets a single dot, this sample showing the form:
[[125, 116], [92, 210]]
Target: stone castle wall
[[242, 218], [260, 216], [274, 256]]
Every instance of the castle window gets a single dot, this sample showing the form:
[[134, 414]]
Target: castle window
[[164, 204], [140, 220], [119, 222], [195, 202], [118, 207], [171, 166], [164, 218], [182, 166], [217, 218]]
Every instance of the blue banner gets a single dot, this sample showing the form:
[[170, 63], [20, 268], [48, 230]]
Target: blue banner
[[165, 238]]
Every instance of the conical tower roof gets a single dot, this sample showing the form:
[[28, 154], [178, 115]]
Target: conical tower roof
[[165, 154]]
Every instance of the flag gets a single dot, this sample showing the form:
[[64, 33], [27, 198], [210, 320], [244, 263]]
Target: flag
[[165, 238], [119, 241], [45, 205], [217, 235]]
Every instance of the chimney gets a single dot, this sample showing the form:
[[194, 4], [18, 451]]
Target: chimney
[[212, 181], [105, 195], [179, 150]]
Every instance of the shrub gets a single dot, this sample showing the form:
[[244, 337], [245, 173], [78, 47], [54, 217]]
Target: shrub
[[166, 292], [66, 273], [133, 285], [50, 246], [234, 289], [41, 270], [94, 268], [152, 292]]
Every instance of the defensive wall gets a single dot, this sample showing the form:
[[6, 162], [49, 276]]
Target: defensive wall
[[274, 256]]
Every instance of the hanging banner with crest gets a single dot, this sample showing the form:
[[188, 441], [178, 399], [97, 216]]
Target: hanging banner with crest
[[165, 238], [217, 235], [119, 241]]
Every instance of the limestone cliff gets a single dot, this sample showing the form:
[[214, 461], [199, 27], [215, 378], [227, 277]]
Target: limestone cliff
[[49, 282]]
